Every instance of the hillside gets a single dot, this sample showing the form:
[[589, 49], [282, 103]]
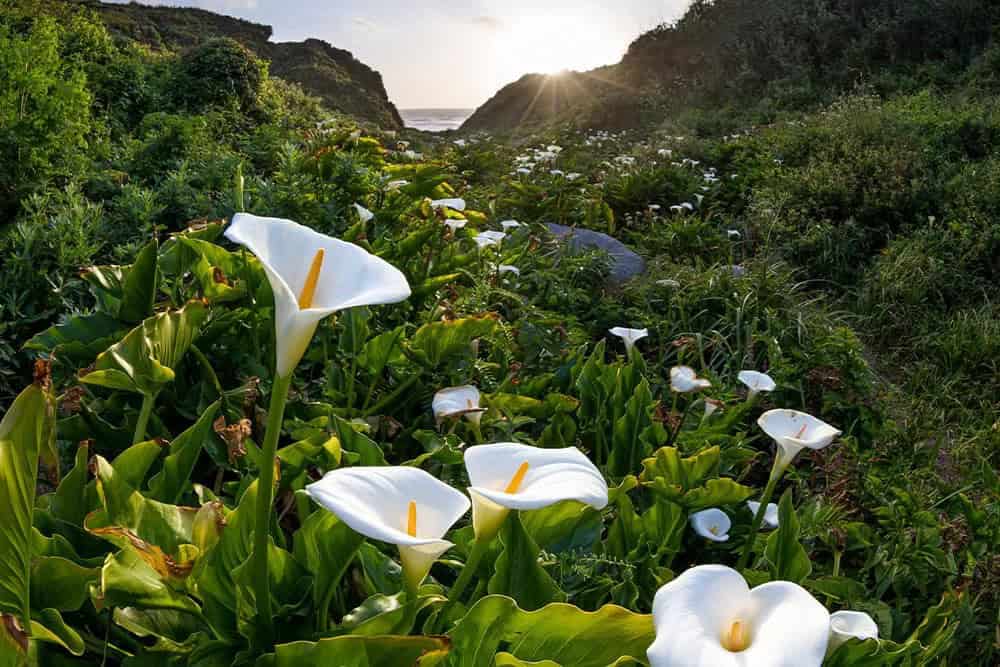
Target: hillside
[[334, 75], [535, 99], [762, 57]]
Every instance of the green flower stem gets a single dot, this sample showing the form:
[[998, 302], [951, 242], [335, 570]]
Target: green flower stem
[[776, 473], [144, 412], [412, 599], [479, 548], [265, 491]]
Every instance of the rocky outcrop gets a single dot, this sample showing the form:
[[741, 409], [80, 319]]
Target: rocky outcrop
[[343, 82]]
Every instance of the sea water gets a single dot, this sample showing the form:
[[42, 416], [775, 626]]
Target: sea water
[[434, 120]]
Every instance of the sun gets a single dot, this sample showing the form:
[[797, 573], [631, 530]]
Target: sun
[[548, 44]]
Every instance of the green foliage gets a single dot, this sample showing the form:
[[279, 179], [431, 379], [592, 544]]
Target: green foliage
[[221, 72]]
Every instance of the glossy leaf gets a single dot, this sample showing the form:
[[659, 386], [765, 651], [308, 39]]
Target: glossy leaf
[[786, 557], [22, 432], [518, 573], [558, 632], [145, 359], [171, 482], [139, 286], [359, 651], [325, 546]]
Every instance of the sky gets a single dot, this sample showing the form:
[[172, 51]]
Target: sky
[[441, 54]]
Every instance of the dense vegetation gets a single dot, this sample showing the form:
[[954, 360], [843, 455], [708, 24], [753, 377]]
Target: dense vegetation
[[850, 253], [744, 61]]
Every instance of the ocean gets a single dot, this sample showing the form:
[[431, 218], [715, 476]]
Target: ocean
[[434, 120]]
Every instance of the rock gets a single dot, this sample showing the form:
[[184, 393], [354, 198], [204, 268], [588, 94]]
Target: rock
[[625, 262]]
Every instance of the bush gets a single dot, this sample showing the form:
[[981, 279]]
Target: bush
[[220, 72]]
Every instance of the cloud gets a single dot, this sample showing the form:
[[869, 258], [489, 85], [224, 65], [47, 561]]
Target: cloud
[[487, 22], [364, 24]]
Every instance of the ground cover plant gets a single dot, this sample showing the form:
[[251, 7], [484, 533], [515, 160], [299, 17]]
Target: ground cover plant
[[280, 388]]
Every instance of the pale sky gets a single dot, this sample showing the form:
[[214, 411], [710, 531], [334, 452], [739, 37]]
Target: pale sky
[[440, 54]]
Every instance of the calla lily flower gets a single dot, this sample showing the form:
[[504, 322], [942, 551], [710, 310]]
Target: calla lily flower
[[684, 380], [734, 234], [629, 336], [845, 625], [770, 514], [710, 617], [756, 382], [294, 258], [510, 224], [457, 402], [363, 213], [510, 476], [400, 505], [712, 406], [712, 524], [454, 204], [794, 431], [454, 224], [508, 268], [488, 238], [397, 184]]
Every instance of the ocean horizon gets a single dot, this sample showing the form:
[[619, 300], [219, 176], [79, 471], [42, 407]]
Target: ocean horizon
[[435, 120]]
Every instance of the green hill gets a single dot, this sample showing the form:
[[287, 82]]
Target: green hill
[[761, 57], [334, 75]]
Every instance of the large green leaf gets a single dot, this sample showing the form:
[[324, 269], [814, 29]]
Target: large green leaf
[[635, 434], [565, 526], [47, 625], [218, 271], [325, 546], [434, 343], [127, 580], [161, 534], [22, 434], [359, 651], [80, 338], [139, 286], [145, 359], [518, 572], [171, 482], [558, 632], [59, 583], [786, 557], [69, 502]]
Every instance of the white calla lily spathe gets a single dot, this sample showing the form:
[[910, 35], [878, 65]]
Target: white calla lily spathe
[[508, 268], [712, 406], [489, 238], [454, 224], [510, 476], [684, 380], [756, 382], [455, 402], [845, 625], [510, 224], [794, 431], [363, 213], [629, 336], [400, 505], [710, 617], [712, 524], [312, 275], [770, 513], [455, 204]]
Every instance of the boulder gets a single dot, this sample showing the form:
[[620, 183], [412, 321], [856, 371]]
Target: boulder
[[625, 262]]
